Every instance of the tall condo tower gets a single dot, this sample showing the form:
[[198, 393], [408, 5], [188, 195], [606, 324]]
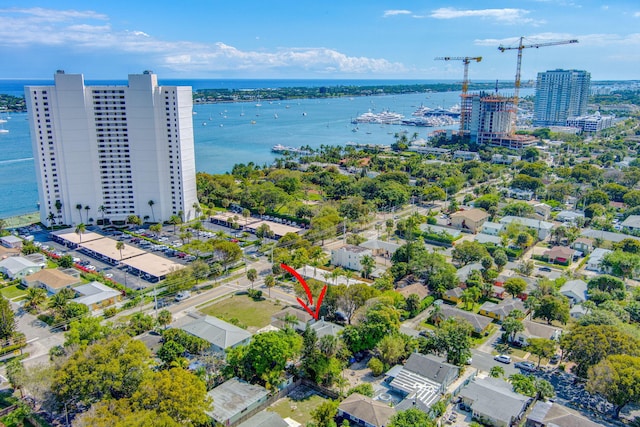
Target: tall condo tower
[[103, 153], [560, 94]]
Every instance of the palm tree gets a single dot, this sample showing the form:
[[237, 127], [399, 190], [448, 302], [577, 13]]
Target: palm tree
[[269, 282], [79, 207], [58, 302], [35, 298], [102, 209], [52, 219], [197, 209], [349, 274], [120, 247], [436, 315], [175, 220], [80, 229], [368, 264], [151, 203]]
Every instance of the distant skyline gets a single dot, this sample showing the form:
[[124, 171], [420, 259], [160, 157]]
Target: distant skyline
[[285, 39]]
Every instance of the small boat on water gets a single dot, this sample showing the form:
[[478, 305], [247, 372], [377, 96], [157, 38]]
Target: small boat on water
[[279, 148]]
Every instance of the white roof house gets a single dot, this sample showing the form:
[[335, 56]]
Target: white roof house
[[94, 294], [575, 290], [17, 267], [349, 256], [220, 334], [568, 216], [491, 228], [542, 227], [594, 263], [632, 223], [11, 241]]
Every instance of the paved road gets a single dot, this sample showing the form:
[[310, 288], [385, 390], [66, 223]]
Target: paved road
[[484, 362], [39, 337]]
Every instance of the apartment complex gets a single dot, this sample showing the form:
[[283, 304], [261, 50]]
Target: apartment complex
[[560, 94], [108, 152]]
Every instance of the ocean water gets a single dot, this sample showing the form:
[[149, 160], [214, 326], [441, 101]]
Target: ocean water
[[229, 133]]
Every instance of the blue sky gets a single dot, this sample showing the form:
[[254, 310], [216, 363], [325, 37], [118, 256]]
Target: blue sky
[[372, 39]]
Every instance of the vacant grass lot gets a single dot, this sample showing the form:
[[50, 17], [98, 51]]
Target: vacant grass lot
[[297, 407], [13, 291], [252, 314]]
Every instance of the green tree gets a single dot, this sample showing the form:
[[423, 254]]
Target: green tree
[[65, 261], [391, 349], [7, 319], [368, 264], [541, 347], [453, 337], [511, 326], [468, 252], [500, 259], [515, 286], [411, 417], [153, 215], [354, 297], [35, 298], [324, 415], [170, 352], [496, 372], [164, 318], [80, 230], [365, 389], [617, 378], [270, 282], [551, 307], [590, 344], [200, 270], [252, 275], [177, 393], [139, 323], [86, 331]]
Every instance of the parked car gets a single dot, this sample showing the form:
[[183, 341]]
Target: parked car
[[503, 358], [525, 366], [547, 269], [554, 359], [183, 295]]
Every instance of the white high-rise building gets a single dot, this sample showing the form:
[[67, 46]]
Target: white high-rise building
[[560, 94], [112, 151]]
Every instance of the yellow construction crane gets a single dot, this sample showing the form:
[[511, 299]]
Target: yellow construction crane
[[465, 82], [520, 47], [465, 60]]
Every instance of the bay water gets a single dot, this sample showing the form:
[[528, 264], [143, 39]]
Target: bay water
[[229, 133]]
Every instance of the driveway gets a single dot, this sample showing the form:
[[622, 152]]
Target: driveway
[[40, 339]]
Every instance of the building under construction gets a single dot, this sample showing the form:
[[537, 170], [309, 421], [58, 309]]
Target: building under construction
[[489, 119]]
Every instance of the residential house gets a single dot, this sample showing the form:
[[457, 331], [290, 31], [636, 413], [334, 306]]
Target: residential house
[[632, 223], [471, 219], [486, 238], [517, 193], [504, 159], [423, 380], [575, 290], [498, 292], [303, 318], [11, 241], [559, 255], [466, 155], [594, 262], [52, 280], [479, 323], [265, 419], [501, 310], [607, 236], [365, 412], [17, 267], [543, 210], [96, 295], [220, 334], [551, 414], [234, 399], [543, 228], [349, 256], [492, 228], [381, 248], [453, 295], [464, 272], [416, 288], [569, 217], [583, 245], [493, 402], [323, 328], [536, 330]]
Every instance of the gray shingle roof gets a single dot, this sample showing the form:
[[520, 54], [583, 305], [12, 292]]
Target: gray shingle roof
[[493, 397], [232, 397], [366, 409], [478, 322], [216, 331]]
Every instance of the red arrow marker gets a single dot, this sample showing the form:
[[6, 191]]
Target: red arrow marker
[[315, 314]]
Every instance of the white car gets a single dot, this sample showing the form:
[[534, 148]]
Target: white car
[[503, 358], [91, 267], [181, 296]]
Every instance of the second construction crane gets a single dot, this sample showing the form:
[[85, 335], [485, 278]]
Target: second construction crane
[[466, 60], [520, 47]]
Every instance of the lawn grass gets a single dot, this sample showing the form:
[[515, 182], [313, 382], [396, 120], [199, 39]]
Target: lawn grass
[[250, 313], [299, 410], [13, 291]]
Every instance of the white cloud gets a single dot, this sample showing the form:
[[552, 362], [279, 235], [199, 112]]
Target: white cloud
[[77, 31], [506, 15], [636, 15], [586, 40], [388, 13]]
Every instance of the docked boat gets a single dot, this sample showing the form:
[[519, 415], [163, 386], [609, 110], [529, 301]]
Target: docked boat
[[279, 148], [386, 118]]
